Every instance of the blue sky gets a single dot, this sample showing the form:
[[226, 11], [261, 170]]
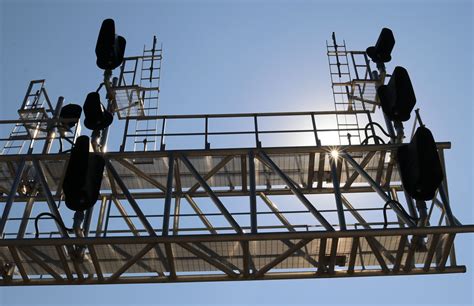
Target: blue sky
[[255, 56]]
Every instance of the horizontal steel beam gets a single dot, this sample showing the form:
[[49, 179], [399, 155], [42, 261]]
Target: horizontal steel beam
[[241, 237], [219, 193], [218, 152], [219, 278]]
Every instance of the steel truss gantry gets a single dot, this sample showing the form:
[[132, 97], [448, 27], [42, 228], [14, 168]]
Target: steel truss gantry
[[244, 211], [153, 246]]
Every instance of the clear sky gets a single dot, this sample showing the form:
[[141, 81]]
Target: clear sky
[[252, 56]]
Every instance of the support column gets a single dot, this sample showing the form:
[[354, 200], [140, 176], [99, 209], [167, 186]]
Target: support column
[[337, 194], [253, 194], [168, 197]]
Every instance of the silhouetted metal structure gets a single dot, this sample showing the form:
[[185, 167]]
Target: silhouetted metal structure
[[254, 206]]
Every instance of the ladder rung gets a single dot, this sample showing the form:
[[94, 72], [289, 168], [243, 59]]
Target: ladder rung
[[347, 125], [154, 68], [12, 147], [145, 130], [17, 134], [19, 137], [158, 52], [334, 53]]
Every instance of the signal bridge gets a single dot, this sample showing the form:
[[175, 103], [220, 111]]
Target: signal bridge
[[220, 197]]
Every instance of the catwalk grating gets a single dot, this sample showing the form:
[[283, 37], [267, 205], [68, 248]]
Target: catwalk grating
[[351, 256]]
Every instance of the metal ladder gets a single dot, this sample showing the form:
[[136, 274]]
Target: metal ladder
[[363, 93], [124, 74], [347, 124], [33, 108], [150, 75]]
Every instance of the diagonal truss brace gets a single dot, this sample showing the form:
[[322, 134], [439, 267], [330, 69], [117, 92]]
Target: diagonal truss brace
[[282, 257], [374, 244], [290, 228], [130, 199], [211, 194], [209, 259], [296, 191], [377, 188], [141, 174], [211, 173], [136, 208]]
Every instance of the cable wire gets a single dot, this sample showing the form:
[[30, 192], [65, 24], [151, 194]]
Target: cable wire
[[367, 137], [58, 221], [385, 222], [366, 140]]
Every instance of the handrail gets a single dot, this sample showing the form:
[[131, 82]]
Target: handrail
[[238, 115], [204, 128]]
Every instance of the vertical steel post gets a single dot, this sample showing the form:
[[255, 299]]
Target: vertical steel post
[[105, 132], [162, 139], [207, 145], [125, 135], [107, 216], [87, 220], [315, 130], [177, 208], [100, 219], [49, 141], [337, 194], [253, 194], [168, 196], [257, 139]]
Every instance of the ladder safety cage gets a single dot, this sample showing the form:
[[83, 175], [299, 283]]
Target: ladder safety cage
[[38, 125], [352, 95], [137, 94]]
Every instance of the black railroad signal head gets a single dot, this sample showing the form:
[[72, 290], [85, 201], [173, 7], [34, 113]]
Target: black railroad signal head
[[83, 177], [70, 115], [381, 52], [110, 48], [397, 98], [420, 166], [97, 117]]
